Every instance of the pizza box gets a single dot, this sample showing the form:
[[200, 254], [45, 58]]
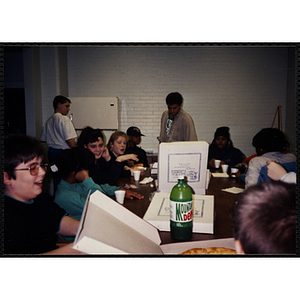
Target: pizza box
[[182, 158], [106, 227], [177, 248], [158, 213]]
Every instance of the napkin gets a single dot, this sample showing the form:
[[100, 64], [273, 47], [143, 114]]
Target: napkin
[[219, 174], [146, 180], [233, 190]]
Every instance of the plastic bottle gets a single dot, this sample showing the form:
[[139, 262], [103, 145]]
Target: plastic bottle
[[181, 211]]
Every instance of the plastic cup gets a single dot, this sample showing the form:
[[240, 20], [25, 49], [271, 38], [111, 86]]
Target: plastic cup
[[233, 171], [217, 163], [224, 168], [120, 195], [136, 175]]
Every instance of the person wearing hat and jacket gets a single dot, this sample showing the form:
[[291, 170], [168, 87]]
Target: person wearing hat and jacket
[[134, 138], [222, 148]]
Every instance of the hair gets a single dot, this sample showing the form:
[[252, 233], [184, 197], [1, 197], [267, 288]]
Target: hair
[[74, 160], [20, 148], [89, 135], [115, 136], [222, 131], [60, 99], [174, 98], [264, 219], [270, 139]]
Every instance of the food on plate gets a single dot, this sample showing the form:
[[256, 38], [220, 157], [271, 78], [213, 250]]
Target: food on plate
[[209, 250], [138, 166]]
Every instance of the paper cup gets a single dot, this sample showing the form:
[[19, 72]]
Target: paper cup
[[120, 195], [224, 168], [233, 171], [217, 163], [136, 175]]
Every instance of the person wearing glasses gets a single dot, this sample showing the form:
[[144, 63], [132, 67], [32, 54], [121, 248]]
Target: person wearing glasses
[[32, 220]]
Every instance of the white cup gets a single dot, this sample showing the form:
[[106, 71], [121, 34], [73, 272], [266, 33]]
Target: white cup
[[136, 175], [120, 195], [233, 171], [224, 168], [217, 163]]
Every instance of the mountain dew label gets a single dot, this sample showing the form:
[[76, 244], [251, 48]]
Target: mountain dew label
[[181, 213]]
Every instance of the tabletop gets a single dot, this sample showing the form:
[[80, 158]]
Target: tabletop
[[223, 205]]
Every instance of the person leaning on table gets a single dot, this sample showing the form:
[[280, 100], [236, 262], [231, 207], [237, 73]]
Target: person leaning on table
[[31, 219], [264, 219], [270, 145], [176, 124]]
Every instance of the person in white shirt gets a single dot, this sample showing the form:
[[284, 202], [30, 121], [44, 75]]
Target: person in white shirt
[[270, 145], [59, 132]]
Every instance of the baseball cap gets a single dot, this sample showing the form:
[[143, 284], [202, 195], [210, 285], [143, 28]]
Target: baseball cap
[[134, 131]]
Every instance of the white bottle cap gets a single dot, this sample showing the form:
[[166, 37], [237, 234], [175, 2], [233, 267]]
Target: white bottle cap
[[180, 177]]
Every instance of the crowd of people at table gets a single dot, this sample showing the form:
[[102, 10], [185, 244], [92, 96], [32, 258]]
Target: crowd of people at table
[[84, 164]]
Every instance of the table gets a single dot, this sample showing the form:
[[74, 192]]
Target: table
[[223, 205]]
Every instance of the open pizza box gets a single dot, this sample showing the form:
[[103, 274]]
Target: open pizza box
[[183, 158], [108, 228], [158, 213]]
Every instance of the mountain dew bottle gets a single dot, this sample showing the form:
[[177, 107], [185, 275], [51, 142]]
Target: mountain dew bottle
[[181, 211]]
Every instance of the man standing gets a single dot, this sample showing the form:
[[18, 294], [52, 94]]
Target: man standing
[[176, 124], [59, 132]]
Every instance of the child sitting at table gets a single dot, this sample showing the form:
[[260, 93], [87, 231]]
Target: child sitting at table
[[105, 169], [222, 149], [117, 145], [134, 139], [32, 220], [264, 219], [270, 145], [73, 165]]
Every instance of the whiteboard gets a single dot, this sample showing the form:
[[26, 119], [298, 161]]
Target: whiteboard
[[96, 112]]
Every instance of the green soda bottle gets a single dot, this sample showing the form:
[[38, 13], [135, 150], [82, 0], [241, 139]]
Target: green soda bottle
[[181, 211]]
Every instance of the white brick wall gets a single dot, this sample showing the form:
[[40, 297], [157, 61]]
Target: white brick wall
[[235, 86]]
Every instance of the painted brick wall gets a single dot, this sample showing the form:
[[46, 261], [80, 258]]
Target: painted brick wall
[[235, 86]]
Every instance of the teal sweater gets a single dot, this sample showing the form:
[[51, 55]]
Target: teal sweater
[[72, 197]]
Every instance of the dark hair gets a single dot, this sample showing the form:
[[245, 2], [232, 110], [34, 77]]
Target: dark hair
[[89, 135], [174, 98], [60, 99], [264, 219], [270, 139], [20, 148], [74, 159], [222, 131]]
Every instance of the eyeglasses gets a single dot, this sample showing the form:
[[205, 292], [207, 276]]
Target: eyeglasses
[[34, 168]]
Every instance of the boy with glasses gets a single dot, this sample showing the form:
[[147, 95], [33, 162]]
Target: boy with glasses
[[31, 219]]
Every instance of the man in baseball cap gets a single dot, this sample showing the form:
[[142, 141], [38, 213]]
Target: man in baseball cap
[[134, 138]]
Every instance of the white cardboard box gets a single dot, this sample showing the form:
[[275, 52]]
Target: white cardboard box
[[182, 158], [106, 227], [158, 213]]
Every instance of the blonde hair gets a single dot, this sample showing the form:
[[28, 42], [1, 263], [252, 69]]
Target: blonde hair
[[115, 136]]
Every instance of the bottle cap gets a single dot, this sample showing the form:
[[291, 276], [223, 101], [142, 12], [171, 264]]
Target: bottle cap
[[180, 177]]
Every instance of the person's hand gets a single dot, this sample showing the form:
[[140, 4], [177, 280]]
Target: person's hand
[[82, 175], [275, 171], [236, 175], [212, 163], [124, 157], [130, 194], [106, 155]]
